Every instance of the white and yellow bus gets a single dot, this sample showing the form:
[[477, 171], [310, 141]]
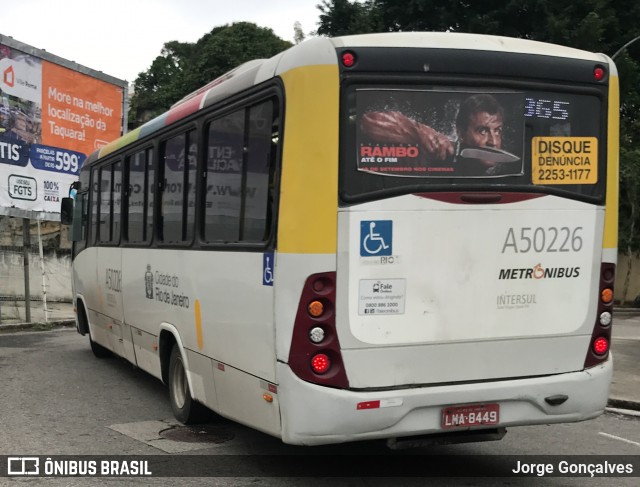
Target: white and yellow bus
[[388, 236]]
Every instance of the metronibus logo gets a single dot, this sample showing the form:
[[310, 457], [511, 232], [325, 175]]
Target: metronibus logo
[[539, 272], [9, 76]]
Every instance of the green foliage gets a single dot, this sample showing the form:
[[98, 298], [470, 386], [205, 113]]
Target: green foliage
[[183, 67], [341, 17]]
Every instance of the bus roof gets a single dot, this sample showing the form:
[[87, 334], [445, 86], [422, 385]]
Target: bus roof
[[456, 40], [322, 50]]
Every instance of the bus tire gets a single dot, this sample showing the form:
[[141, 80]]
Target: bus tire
[[185, 408], [98, 350]]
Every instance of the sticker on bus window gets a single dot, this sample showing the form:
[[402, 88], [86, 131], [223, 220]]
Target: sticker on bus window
[[381, 297], [564, 160]]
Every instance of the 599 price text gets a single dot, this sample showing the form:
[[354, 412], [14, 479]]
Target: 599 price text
[[64, 162]]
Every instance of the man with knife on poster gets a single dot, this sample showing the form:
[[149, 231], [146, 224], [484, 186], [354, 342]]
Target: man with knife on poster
[[477, 150]]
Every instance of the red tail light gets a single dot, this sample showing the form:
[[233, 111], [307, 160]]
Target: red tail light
[[348, 59], [320, 363], [315, 351], [600, 346], [601, 337]]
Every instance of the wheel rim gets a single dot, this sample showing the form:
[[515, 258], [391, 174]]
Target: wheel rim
[[179, 384]]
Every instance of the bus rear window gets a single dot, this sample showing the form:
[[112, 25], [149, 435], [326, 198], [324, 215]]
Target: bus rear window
[[401, 137]]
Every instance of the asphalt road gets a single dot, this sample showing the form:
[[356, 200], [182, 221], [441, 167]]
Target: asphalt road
[[58, 399]]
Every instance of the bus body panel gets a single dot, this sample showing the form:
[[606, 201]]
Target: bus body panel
[[171, 286], [241, 397], [145, 346], [418, 410], [492, 297], [85, 278], [464, 361]]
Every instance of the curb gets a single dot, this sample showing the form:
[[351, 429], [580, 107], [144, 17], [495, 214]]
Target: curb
[[623, 404], [37, 326], [626, 311]]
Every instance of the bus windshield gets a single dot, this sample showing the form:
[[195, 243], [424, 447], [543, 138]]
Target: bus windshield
[[488, 136]]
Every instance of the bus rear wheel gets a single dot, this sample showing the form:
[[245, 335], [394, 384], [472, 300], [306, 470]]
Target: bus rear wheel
[[185, 408]]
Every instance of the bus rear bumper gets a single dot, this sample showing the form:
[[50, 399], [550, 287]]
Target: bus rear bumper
[[317, 415]]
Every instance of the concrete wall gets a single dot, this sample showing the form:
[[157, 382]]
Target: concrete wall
[[627, 284], [56, 266]]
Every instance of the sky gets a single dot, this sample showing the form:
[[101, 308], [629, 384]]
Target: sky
[[121, 38]]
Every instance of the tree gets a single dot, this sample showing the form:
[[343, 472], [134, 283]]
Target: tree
[[298, 34], [183, 67], [341, 17]]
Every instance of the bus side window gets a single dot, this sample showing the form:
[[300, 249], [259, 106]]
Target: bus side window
[[241, 152], [84, 217], [95, 185], [260, 161], [116, 198], [80, 222], [104, 215], [149, 190], [178, 190], [140, 208], [225, 154]]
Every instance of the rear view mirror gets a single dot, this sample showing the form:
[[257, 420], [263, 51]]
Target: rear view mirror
[[66, 211]]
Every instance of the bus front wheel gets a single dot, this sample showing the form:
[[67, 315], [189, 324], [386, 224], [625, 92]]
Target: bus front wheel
[[185, 408]]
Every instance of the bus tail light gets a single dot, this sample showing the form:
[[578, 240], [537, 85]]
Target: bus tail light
[[320, 363], [315, 351], [600, 346], [316, 308], [599, 73], [348, 59], [601, 337]]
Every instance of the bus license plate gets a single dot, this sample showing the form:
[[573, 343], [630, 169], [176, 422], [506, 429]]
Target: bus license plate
[[470, 415]]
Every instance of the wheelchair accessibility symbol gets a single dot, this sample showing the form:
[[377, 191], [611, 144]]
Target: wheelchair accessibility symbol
[[267, 269], [376, 238]]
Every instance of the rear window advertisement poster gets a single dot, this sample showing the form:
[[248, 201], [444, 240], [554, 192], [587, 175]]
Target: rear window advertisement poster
[[439, 133]]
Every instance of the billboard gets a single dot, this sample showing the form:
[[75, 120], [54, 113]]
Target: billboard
[[53, 113]]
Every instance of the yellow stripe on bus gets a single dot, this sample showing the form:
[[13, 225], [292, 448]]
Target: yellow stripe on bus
[[199, 325], [610, 240], [308, 215]]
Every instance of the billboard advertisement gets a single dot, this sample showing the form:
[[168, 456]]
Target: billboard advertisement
[[51, 118]]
